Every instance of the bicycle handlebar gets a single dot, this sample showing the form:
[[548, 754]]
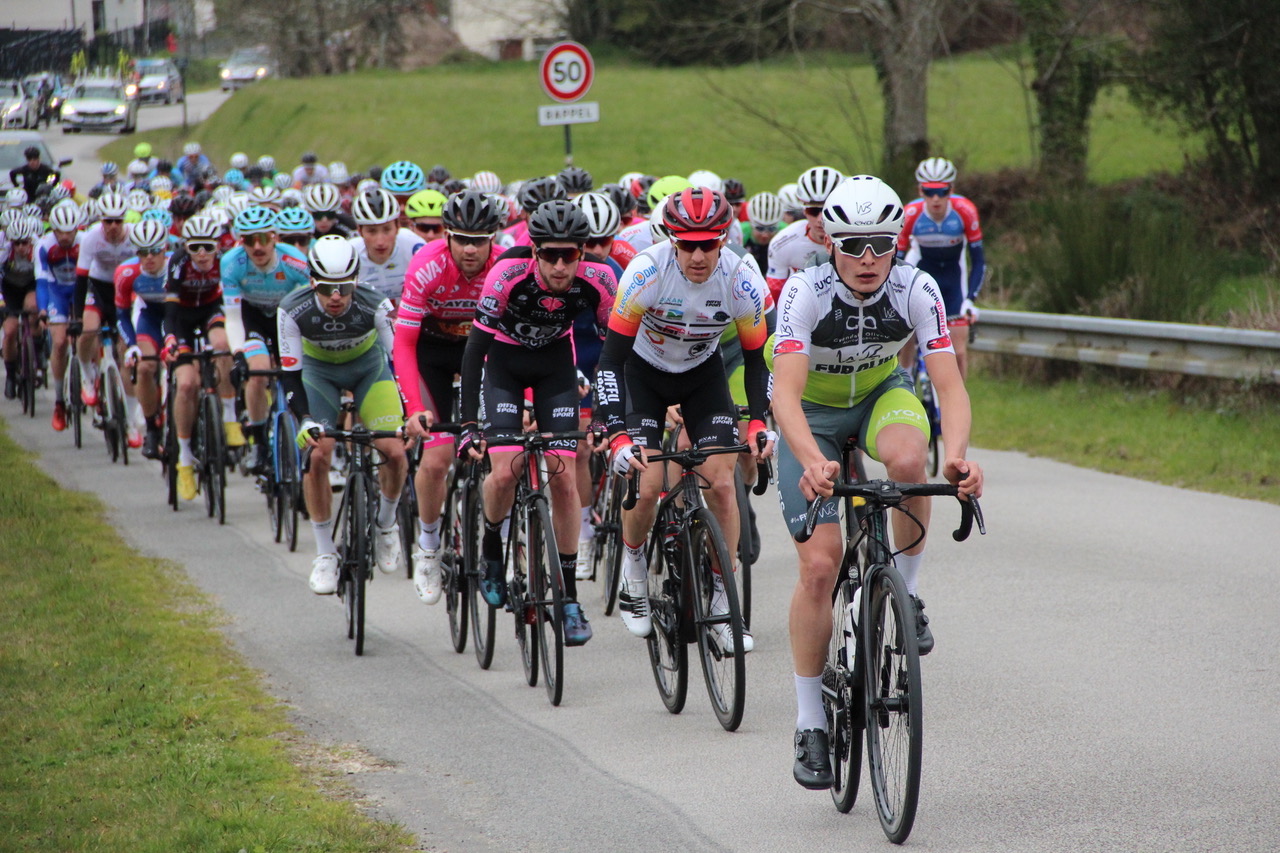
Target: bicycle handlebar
[[887, 493], [686, 459]]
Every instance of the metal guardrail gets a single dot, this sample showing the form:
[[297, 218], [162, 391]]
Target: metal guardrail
[[1174, 347]]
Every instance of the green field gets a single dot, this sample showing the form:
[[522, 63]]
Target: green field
[[662, 121]]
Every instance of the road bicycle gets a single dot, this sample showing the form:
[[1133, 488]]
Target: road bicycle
[[75, 387], [871, 679], [687, 553], [208, 442], [112, 414], [30, 374], [924, 390], [281, 482], [535, 586], [355, 519]]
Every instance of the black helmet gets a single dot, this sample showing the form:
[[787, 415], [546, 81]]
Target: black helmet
[[438, 174], [538, 190], [310, 158], [559, 220], [453, 185], [184, 206], [575, 180], [471, 212], [640, 192], [734, 191], [622, 199]]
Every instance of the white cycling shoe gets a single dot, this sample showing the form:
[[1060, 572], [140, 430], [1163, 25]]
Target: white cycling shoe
[[324, 574], [426, 574], [723, 634], [386, 548]]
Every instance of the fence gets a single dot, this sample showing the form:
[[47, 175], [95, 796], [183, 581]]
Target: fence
[[24, 52]]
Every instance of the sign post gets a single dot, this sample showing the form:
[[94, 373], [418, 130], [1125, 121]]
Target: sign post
[[566, 72]]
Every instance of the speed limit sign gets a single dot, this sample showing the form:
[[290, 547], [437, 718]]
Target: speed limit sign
[[566, 71]]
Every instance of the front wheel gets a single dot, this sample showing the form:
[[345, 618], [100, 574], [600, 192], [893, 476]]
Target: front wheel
[[668, 652], [842, 700], [452, 560], [607, 554], [893, 702], [75, 406], [484, 618], [117, 413], [546, 593], [717, 620]]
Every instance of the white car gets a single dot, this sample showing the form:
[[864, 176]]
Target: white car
[[159, 81], [244, 67], [18, 108], [100, 104]]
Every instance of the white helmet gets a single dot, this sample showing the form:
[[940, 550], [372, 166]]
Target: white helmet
[[240, 161], [333, 259], [291, 198], [191, 149], [375, 206], [139, 168], [602, 214], [161, 184], [22, 228], [485, 182], [267, 163], [338, 172], [317, 198], [627, 178], [282, 180], [237, 203], [656, 228], [149, 234], [366, 184], [16, 197], [787, 195], [764, 210], [138, 200], [66, 216], [265, 196], [708, 179], [816, 184], [222, 192], [862, 205], [112, 206], [201, 227], [936, 170]]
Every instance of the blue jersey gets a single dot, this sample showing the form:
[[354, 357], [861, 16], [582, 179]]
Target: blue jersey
[[938, 248], [263, 290]]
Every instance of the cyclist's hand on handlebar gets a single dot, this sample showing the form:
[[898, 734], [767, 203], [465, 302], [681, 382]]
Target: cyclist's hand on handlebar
[[418, 425], [131, 356], [625, 456], [759, 450], [818, 479], [471, 442], [309, 433], [965, 474], [673, 415], [170, 352], [596, 437]]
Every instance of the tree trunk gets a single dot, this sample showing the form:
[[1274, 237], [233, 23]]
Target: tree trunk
[[902, 37]]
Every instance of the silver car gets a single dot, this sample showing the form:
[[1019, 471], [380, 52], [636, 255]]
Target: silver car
[[18, 107], [100, 104], [246, 66], [158, 81]]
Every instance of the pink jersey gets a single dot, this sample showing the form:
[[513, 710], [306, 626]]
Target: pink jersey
[[439, 302], [519, 309], [519, 234]]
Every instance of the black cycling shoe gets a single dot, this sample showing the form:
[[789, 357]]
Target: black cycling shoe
[[924, 637], [261, 459], [493, 586], [813, 760], [151, 444], [10, 387]]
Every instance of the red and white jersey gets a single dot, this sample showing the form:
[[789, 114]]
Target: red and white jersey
[[99, 258]]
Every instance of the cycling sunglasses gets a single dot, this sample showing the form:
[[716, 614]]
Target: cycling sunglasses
[[257, 239], [328, 288], [470, 239], [764, 229], [296, 239], [144, 253], [691, 246], [936, 192], [598, 243], [429, 227], [111, 221], [879, 244], [202, 247], [813, 210], [553, 256]]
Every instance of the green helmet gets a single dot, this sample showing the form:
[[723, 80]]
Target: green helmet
[[664, 187], [142, 150], [425, 203]]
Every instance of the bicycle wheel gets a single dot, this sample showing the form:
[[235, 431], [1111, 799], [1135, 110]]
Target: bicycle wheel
[[213, 462], [75, 407], [668, 652], [358, 556], [27, 374], [288, 482], [407, 516], [746, 549], [171, 450], [117, 412], [608, 546], [484, 619], [453, 561], [842, 700], [106, 421], [894, 705], [518, 594], [725, 670], [546, 592]]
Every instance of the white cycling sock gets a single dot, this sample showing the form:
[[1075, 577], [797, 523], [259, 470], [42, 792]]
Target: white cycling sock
[[387, 511], [185, 456], [429, 535], [587, 530], [634, 567], [809, 713], [228, 409], [909, 568], [323, 531]]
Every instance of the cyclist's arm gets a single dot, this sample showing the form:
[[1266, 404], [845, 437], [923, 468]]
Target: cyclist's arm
[[752, 299], [478, 343], [124, 302], [953, 401], [289, 341], [231, 296], [968, 212], [977, 269], [610, 390]]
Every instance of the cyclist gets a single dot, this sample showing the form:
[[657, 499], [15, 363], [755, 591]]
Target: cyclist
[[521, 340], [193, 302], [56, 256], [939, 227], [684, 293], [191, 166], [425, 210], [18, 286], [384, 248], [256, 275], [296, 227], [764, 215], [104, 247], [836, 376], [324, 201], [33, 173], [531, 196], [110, 180], [402, 179], [336, 336], [143, 277], [800, 244], [309, 171], [441, 292]]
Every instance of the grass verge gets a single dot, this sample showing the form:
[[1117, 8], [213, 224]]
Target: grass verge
[[130, 723], [1227, 447]]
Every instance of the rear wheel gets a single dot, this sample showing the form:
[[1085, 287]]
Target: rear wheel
[[746, 545], [668, 652], [27, 370], [546, 590], [842, 700], [171, 449], [75, 406], [117, 412], [483, 617], [894, 704], [608, 545], [453, 561], [354, 550], [518, 594], [724, 668], [407, 517]]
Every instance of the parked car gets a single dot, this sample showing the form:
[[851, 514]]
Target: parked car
[[158, 80], [54, 87], [18, 108], [13, 147], [245, 66], [100, 104]]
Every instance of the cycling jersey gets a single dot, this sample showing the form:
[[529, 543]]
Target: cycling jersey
[[187, 286], [938, 248], [130, 281], [853, 343], [242, 279], [638, 236], [56, 276], [99, 258], [388, 277], [517, 235], [17, 279], [437, 307], [792, 250]]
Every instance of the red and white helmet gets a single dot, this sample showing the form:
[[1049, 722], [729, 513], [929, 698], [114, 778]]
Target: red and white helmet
[[697, 213]]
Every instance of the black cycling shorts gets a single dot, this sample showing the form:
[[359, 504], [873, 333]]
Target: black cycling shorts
[[710, 416], [438, 363], [552, 376], [259, 326], [197, 318]]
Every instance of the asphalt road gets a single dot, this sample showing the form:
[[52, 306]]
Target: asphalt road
[[1105, 679]]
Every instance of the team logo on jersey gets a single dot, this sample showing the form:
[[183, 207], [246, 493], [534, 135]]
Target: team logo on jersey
[[279, 276], [785, 347], [551, 303], [288, 361], [655, 338], [939, 343]]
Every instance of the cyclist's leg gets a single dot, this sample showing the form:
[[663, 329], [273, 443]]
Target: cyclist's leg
[[216, 333], [324, 397], [12, 303], [436, 366], [502, 410], [711, 420]]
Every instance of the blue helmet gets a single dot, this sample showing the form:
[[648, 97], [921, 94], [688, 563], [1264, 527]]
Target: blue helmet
[[235, 178], [295, 220], [254, 220], [160, 215], [403, 178]]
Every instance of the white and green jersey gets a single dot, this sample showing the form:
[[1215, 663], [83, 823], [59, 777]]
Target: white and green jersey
[[853, 343], [304, 328]]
